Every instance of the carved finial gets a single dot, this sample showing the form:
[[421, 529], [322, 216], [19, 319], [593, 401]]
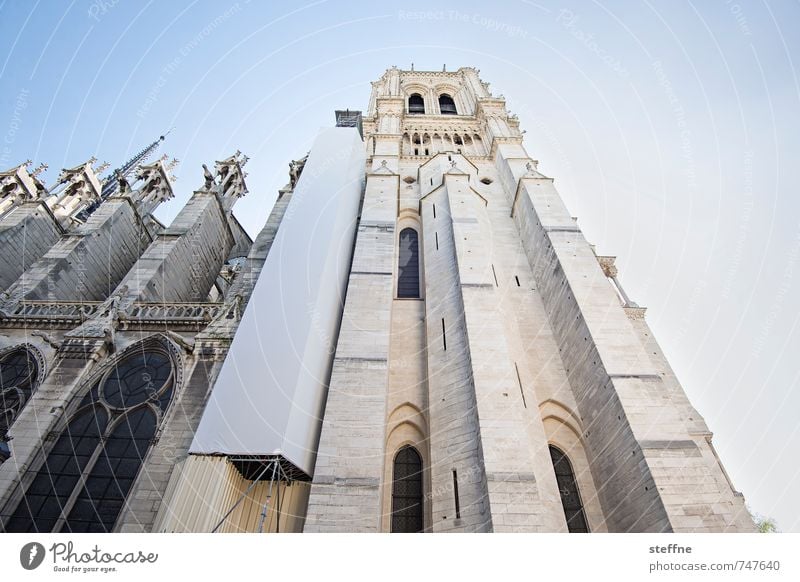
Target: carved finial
[[209, 177], [41, 168], [244, 161], [171, 164], [27, 163], [295, 169], [163, 158], [101, 168], [124, 186], [412, 66], [91, 161]]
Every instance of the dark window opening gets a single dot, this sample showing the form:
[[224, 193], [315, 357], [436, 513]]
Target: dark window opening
[[18, 373], [407, 497], [434, 210], [446, 105], [455, 494], [416, 104], [408, 264], [444, 336], [521, 391], [568, 489], [517, 278]]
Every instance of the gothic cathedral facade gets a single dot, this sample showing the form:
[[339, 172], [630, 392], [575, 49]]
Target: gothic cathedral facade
[[487, 372]]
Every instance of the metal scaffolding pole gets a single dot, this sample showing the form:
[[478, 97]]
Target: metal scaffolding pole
[[235, 505], [275, 465]]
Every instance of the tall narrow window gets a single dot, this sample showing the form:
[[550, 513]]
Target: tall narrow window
[[407, 514], [18, 373], [446, 105], [408, 264], [106, 441], [568, 489], [416, 104]]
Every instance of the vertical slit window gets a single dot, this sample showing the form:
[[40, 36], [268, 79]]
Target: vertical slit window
[[408, 264], [455, 494], [568, 489], [519, 381], [407, 498], [444, 336]]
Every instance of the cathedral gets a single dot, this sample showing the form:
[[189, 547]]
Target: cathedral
[[419, 339]]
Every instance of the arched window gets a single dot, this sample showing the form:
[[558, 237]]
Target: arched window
[[407, 515], [408, 264], [446, 105], [18, 374], [416, 104], [106, 441], [568, 488]]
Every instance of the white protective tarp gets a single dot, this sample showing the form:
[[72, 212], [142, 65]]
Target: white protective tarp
[[270, 393]]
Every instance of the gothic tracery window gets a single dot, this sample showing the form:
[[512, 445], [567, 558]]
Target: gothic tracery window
[[446, 105], [407, 502], [568, 489], [408, 264], [18, 373], [86, 477]]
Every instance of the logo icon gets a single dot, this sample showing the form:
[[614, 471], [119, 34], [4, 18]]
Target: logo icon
[[31, 555]]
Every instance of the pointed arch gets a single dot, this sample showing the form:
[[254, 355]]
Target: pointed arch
[[86, 476]]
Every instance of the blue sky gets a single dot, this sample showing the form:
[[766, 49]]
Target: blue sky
[[671, 129]]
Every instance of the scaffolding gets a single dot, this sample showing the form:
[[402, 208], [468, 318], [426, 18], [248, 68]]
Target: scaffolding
[[256, 469]]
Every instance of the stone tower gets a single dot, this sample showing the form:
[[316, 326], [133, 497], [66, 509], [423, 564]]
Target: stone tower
[[419, 339], [490, 373]]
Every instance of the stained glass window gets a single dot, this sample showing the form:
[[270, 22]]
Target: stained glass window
[[83, 483], [18, 372]]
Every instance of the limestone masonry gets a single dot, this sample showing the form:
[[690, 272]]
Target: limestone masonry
[[464, 359]]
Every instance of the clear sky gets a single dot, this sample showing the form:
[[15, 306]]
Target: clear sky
[[672, 129]]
